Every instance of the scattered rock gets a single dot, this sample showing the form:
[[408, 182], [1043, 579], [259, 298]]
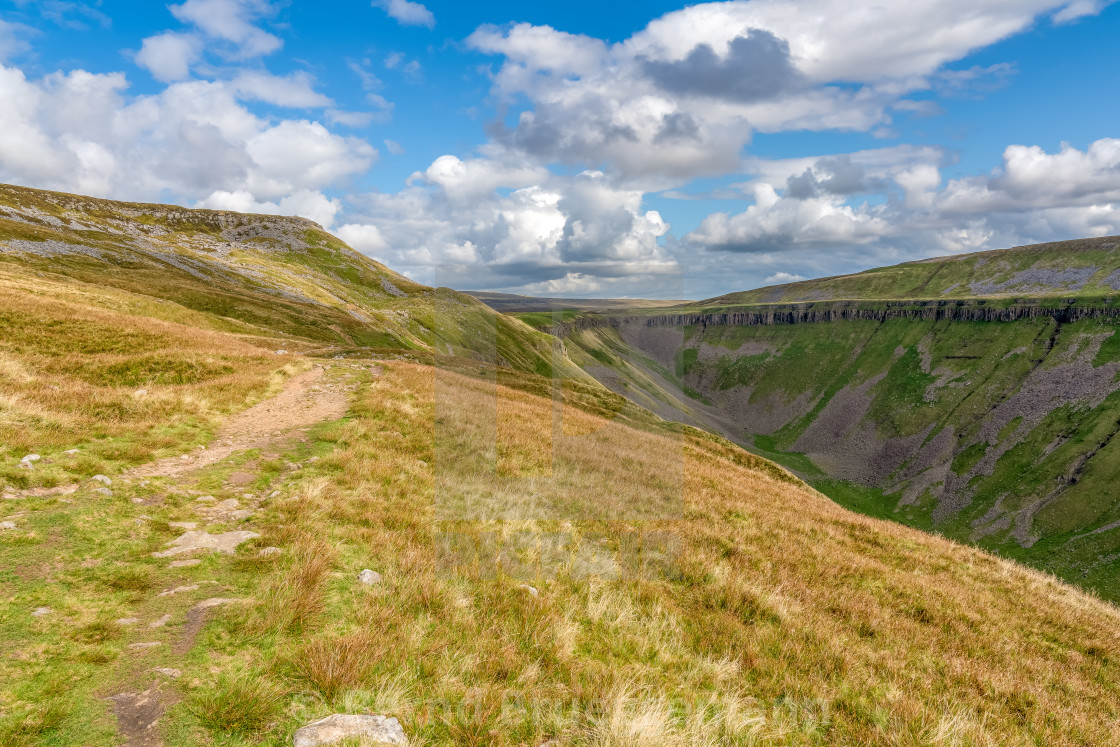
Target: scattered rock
[[266, 551], [336, 728], [139, 392], [102, 479], [7, 525], [103, 491], [206, 604], [369, 578], [183, 524], [125, 621], [281, 352], [41, 611], [184, 563], [531, 589], [145, 645], [160, 622], [30, 458], [274, 493], [168, 672], [226, 542], [205, 499]]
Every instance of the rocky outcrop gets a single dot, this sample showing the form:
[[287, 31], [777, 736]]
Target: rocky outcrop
[[809, 313]]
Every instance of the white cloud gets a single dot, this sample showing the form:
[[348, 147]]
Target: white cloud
[[393, 147], [1077, 9], [170, 55], [232, 21], [363, 237], [407, 13], [79, 132], [782, 277], [14, 39], [294, 91]]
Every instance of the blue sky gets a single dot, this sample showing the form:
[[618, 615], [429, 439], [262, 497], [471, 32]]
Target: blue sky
[[621, 149]]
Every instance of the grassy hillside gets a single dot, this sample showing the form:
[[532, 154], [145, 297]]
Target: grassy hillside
[[1084, 268], [545, 562], [995, 433], [251, 274]]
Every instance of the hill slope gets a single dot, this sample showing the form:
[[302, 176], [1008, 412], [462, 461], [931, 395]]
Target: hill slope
[[551, 563], [944, 417], [256, 275]]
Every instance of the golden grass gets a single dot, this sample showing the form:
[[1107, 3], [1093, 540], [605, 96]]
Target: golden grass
[[758, 613], [123, 387]]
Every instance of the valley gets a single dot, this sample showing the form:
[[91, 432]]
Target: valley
[[276, 482]]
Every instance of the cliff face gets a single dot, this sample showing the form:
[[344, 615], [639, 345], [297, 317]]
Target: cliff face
[[1064, 311], [990, 422]]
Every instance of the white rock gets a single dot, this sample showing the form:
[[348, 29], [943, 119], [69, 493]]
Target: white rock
[[160, 622], [281, 352], [7, 525], [103, 491], [369, 578], [168, 672], [178, 589], [266, 551], [40, 611], [333, 729], [531, 589], [139, 392], [102, 479], [30, 458], [202, 540]]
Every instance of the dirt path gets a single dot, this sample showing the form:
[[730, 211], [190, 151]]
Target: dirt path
[[302, 403]]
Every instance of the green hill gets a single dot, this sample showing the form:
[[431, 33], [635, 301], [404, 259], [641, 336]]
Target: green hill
[[1084, 268], [205, 542]]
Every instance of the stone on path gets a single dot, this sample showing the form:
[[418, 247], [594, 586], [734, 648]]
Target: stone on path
[[226, 542], [369, 578], [160, 622], [168, 672], [177, 589], [336, 728]]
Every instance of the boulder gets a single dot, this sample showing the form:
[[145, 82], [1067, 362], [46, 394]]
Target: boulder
[[369, 578], [102, 479], [334, 729], [7, 525]]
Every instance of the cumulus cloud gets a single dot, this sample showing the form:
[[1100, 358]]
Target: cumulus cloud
[[407, 13], [1033, 196], [81, 132], [170, 55], [14, 39], [682, 98]]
